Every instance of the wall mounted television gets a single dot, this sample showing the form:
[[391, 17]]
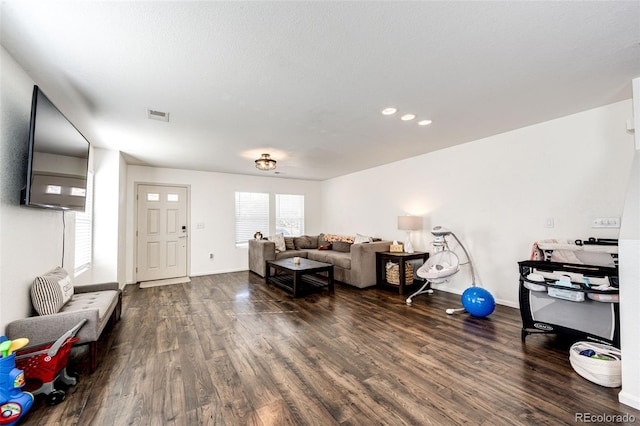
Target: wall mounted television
[[58, 159]]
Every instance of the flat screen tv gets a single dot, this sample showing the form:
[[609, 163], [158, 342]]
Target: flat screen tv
[[58, 159]]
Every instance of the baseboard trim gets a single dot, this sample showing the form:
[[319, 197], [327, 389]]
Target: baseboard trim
[[626, 398], [169, 281], [224, 271]]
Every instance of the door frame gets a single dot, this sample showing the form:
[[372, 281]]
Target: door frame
[[136, 186]]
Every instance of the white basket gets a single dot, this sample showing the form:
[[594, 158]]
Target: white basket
[[600, 371]]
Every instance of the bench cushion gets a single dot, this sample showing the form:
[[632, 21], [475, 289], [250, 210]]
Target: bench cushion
[[101, 300]]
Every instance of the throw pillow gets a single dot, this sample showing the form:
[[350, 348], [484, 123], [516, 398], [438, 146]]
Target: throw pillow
[[325, 247], [51, 291], [362, 239], [305, 242], [341, 246], [332, 238], [288, 242], [279, 240]]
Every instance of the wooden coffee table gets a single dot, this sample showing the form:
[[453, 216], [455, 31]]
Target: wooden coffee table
[[299, 277]]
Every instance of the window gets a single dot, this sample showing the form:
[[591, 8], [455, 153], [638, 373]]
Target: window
[[289, 214], [252, 215], [84, 228], [254, 210]]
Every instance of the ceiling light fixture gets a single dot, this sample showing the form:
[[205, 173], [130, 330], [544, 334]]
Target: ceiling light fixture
[[389, 111], [407, 117], [265, 163], [424, 122]]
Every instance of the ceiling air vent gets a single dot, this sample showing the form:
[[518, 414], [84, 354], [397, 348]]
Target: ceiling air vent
[[153, 114]]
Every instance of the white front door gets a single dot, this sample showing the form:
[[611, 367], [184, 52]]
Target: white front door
[[162, 232]]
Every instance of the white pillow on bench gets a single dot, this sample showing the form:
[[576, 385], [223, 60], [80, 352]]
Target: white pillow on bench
[[51, 291]]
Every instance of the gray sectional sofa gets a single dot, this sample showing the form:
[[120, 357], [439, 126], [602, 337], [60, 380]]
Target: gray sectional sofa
[[354, 264]]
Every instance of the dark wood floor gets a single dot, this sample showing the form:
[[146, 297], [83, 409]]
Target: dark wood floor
[[228, 350]]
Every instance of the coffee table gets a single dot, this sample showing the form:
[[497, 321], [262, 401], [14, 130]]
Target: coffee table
[[297, 277]]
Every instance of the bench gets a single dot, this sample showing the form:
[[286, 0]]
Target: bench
[[59, 305]]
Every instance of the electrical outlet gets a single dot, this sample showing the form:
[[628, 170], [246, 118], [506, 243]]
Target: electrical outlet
[[549, 222], [606, 222], [211, 256]]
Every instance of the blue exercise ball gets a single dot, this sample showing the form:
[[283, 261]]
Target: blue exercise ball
[[478, 301]]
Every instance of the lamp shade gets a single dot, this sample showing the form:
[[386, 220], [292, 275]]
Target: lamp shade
[[409, 223]]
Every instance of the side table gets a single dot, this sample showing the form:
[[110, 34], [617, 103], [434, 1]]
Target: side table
[[399, 258]]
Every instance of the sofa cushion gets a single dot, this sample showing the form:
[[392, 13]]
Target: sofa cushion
[[51, 291], [341, 246], [339, 259], [306, 242], [291, 253]]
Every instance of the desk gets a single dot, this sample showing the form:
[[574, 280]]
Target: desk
[[400, 259]]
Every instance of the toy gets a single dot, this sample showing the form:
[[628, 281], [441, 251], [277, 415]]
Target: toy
[[13, 402], [478, 302], [4, 347], [17, 344], [43, 365]]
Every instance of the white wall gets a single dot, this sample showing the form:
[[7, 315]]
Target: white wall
[[630, 274], [108, 218], [496, 193], [213, 204], [122, 223], [30, 239]]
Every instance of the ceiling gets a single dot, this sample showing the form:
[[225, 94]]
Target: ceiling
[[307, 81]]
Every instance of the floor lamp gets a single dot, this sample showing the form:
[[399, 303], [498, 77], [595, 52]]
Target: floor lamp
[[409, 223]]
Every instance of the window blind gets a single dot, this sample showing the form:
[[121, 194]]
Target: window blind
[[252, 215], [289, 214], [84, 230]]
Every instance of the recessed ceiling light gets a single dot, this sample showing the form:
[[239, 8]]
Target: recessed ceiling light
[[424, 122], [389, 111], [407, 117]]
